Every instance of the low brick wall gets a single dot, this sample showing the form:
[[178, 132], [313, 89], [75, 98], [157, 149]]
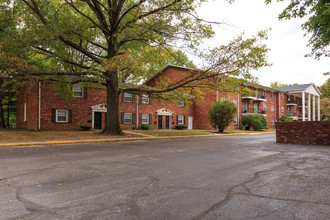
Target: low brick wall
[[308, 132]]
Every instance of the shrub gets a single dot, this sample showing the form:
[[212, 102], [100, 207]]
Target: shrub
[[180, 127], [285, 118], [144, 127], [221, 114], [256, 121], [85, 127]]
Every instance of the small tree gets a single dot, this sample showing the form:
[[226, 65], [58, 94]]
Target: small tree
[[221, 114], [285, 118], [256, 121]]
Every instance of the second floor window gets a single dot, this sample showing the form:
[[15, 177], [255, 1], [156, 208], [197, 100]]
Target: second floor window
[[128, 97], [145, 99], [264, 93], [272, 108], [235, 101], [78, 91], [265, 107], [180, 103]]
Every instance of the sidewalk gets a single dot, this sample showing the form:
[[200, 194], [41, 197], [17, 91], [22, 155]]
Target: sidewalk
[[143, 138]]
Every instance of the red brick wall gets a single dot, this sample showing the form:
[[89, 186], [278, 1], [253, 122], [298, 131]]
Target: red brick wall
[[81, 107], [308, 132], [28, 94]]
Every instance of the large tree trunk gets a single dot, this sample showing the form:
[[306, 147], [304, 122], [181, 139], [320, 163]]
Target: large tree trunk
[[2, 118], [112, 125]]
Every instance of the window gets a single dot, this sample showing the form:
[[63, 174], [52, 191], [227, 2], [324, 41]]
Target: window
[[272, 108], [127, 118], [223, 99], [256, 107], [256, 91], [235, 101], [264, 107], [180, 120], [61, 116], [78, 91], [145, 99], [245, 107], [128, 97], [180, 103], [272, 94], [282, 109], [145, 119], [282, 95], [264, 93], [272, 121], [235, 120]]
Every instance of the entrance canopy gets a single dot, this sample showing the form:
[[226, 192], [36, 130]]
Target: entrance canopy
[[164, 111]]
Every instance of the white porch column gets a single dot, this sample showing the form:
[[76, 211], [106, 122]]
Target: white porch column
[[303, 106], [318, 109], [309, 107], [313, 107]]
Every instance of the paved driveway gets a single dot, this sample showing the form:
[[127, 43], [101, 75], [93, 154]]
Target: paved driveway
[[242, 177]]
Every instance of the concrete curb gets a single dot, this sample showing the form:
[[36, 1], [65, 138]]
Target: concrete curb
[[121, 139]]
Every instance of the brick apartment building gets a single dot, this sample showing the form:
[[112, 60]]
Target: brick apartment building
[[39, 107]]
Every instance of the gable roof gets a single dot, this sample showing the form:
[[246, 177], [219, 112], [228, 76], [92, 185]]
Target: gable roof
[[310, 88], [294, 87], [164, 68]]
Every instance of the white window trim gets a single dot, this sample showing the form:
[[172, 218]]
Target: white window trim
[[282, 96], [180, 123], [272, 108], [66, 116], [144, 98], [272, 121], [235, 101], [128, 95], [181, 104], [223, 99], [235, 120], [147, 116], [82, 91], [126, 114], [282, 109], [272, 95], [264, 106]]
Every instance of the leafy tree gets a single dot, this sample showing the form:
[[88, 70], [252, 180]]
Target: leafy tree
[[325, 109], [279, 84], [318, 23], [111, 41], [325, 89], [285, 118], [221, 114], [256, 121]]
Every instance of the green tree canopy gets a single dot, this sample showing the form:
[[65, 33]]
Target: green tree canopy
[[318, 23], [112, 41]]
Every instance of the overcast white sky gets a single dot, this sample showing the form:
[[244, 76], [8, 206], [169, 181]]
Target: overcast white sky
[[286, 39]]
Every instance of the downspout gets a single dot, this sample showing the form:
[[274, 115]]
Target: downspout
[[238, 110], [137, 111], [217, 93], [39, 105]]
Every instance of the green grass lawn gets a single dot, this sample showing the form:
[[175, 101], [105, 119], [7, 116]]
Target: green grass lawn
[[173, 132], [16, 135]]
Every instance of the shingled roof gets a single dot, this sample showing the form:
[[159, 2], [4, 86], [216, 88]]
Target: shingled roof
[[294, 87]]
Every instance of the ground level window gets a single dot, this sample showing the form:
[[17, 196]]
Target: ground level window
[[272, 121], [61, 116], [223, 99], [145, 119], [235, 120], [180, 120], [127, 118]]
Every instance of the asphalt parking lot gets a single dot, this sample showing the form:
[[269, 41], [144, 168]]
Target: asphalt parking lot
[[241, 177]]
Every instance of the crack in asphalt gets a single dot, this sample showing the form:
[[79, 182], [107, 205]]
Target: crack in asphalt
[[133, 206], [229, 192]]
